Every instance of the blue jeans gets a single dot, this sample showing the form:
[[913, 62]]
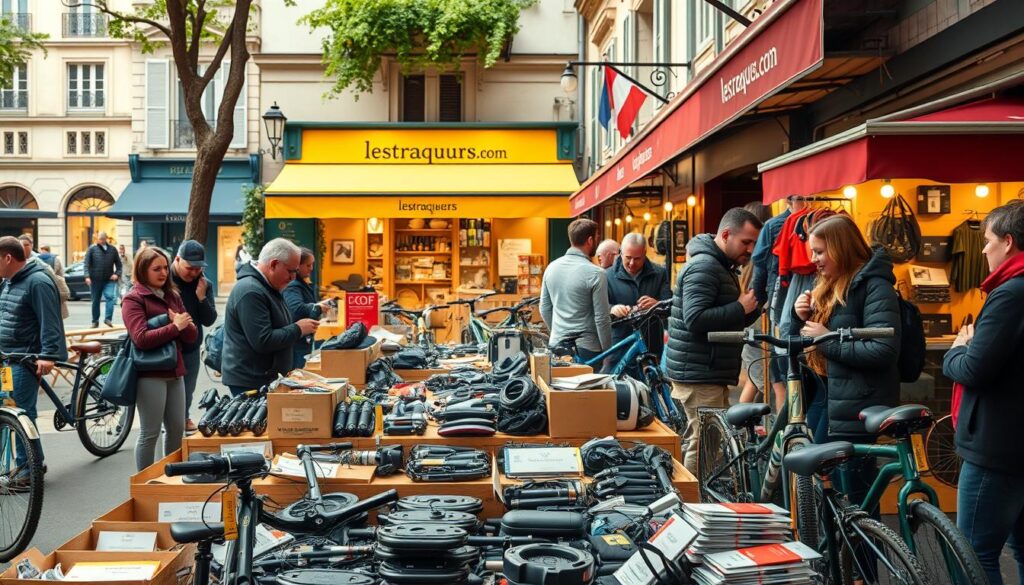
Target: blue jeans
[[26, 395], [106, 289], [990, 514]]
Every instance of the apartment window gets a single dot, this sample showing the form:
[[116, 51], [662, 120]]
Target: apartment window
[[705, 18], [86, 87], [167, 125], [431, 98], [85, 142], [84, 21], [15, 97], [15, 143], [16, 12]]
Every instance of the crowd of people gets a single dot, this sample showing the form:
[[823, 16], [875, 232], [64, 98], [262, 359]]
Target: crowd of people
[[729, 279]]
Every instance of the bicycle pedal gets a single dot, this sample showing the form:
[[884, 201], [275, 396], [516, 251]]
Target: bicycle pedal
[[58, 421]]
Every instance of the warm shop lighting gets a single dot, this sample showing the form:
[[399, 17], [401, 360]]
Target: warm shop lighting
[[629, 218], [647, 216], [618, 221], [668, 206], [607, 223], [849, 191], [887, 189], [691, 200], [981, 190]]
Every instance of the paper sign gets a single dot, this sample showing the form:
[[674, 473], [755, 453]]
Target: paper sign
[[126, 541], [542, 461], [188, 512], [509, 251], [362, 307], [265, 448], [126, 571], [297, 415], [671, 539], [288, 464]]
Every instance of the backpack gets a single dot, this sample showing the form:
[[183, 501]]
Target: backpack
[[912, 341], [213, 347], [897, 231]]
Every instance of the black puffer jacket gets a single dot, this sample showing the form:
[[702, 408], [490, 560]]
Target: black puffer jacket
[[30, 320], [862, 373], [706, 299]]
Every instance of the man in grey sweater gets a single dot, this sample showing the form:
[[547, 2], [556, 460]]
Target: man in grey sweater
[[574, 294]]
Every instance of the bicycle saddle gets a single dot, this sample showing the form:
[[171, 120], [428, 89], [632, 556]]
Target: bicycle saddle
[[818, 459], [86, 347], [898, 421], [189, 532], [742, 416]]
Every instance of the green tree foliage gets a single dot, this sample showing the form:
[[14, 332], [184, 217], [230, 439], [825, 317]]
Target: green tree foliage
[[418, 33], [16, 46], [252, 220]]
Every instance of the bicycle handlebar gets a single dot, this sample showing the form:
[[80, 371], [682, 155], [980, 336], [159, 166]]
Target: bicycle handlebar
[[233, 464], [749, 337], [658, 309]]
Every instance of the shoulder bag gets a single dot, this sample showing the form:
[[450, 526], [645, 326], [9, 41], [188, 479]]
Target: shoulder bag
[[119, 385], [160, 358]]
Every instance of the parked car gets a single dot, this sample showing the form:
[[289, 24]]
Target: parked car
[[75, 277]]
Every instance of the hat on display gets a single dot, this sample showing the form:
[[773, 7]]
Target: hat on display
[[192, 252]]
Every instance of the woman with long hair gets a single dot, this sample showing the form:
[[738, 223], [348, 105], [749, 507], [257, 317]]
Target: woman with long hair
[[854, 289], [160, 398]]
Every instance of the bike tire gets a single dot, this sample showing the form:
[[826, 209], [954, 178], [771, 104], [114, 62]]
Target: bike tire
[[806, 505], [718, 446], [11, 427], [942, 549], [907, 569], [96, 418], [943, 460]]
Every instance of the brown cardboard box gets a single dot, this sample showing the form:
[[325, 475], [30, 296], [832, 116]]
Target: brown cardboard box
[[87, 539], [579, 413], [540, 366], [348, 363], [568, 371], [170, 563], [301, 414]]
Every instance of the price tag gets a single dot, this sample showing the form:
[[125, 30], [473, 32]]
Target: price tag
[[920, 455], [6, 379], [229, 514]]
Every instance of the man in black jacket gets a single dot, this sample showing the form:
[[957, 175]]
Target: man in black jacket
[[258, 330], [708, 298], [987, 364], [636, 283], [301, 300], [102, 271], [194, 288]]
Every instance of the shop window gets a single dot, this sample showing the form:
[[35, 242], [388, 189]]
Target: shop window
[[15, 143], [432, 98], [12, 197], [85, 143], [704, 16], [15, 96], [86, 86], [85, 214]]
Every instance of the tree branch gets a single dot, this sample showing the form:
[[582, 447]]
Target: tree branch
[[198, 21], [102, 7], [236, 75], [218, 57]]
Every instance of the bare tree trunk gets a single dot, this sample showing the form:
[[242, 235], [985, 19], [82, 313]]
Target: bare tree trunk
[[209, 158]]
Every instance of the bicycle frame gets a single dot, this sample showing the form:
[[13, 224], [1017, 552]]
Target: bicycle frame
[[75, 389], [636, 347], [904, 464]]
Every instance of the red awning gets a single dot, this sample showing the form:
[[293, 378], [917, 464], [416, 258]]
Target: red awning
[[972, 143]]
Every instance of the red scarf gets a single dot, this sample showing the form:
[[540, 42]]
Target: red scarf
[[1011, 268]]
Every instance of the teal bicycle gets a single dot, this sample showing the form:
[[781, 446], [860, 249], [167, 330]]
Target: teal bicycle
[[518, 317]]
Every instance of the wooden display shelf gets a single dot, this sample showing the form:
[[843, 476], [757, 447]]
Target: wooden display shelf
[[423, 231], [433, 281], [423, 253]]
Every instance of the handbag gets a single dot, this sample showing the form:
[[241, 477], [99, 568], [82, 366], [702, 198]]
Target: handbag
[[897, 231], [160, 358], [120, 383]]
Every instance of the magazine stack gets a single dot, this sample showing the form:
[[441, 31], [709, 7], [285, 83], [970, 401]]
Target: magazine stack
[[771, 564], [727, 527]]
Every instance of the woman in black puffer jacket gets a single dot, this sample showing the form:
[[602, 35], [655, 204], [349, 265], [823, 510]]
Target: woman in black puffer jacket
[[854, 289]]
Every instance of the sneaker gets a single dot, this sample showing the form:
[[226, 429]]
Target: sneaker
[[190, 427], [108, 323], [95, 324]]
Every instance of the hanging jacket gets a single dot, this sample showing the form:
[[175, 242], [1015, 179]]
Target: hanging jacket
[[706, 299], [862, 373]]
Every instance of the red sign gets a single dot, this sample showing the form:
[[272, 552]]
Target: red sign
[[363, 307], [781, 46]]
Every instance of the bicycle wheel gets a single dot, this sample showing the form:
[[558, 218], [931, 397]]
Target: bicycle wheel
[[21, 486], [804, 504], [940, 447], [875, 555], [941, 548], [102, 427], [719, 481]]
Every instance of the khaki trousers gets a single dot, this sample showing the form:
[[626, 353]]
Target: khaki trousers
[[694, 396]]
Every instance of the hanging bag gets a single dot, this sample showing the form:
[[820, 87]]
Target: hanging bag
[[158, 359], [120, 383], [897, 231]]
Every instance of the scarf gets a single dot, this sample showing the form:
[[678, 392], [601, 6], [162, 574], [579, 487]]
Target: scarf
[[1011, 268]]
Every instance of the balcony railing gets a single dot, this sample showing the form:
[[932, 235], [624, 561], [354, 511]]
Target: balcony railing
[[13, 99], [79, 25], [183, 135], [86, 100], [21, 20]]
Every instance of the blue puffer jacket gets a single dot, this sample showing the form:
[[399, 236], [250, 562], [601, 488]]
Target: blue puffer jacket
[[30, 320]]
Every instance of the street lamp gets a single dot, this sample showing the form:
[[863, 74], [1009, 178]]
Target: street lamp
[[274, 120], [569, 81]]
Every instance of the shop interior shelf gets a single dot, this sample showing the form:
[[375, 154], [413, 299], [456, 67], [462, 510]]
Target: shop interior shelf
[[422, 253], [423, 231], [433, 281]]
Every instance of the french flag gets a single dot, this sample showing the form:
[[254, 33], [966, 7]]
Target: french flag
[[621, 100]]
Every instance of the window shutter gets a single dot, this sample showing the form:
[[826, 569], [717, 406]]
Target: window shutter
[[450, 99], [413, 98], [240, 138], [157, 91]]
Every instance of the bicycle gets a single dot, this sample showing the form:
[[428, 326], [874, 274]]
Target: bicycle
[[636, 354], [854, 544], [742, 467], [315, 514], [943, 460], [419, 320]]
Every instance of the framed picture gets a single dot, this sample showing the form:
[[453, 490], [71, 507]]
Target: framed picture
[[343, 251]]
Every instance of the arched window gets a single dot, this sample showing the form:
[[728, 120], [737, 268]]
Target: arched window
[[90, 200], [86, 217], [14, 197], [14, 201]]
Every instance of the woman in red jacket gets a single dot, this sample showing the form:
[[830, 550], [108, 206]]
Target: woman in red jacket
[[160, 399]]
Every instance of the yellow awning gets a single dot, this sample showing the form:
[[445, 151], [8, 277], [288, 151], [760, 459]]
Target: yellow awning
[[415, 205], [403, 179]]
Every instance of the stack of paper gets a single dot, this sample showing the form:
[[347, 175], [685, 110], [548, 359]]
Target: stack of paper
[[726, 527], [581, 382], [772, 564]]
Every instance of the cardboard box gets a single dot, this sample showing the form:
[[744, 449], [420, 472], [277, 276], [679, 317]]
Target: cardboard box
[[301, 414], [579, 413], [170, 564], [87, 539], [348, 363], [540, 366], [568, 371]]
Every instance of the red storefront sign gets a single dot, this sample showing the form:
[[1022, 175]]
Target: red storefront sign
[[781, 46], [363, 307]]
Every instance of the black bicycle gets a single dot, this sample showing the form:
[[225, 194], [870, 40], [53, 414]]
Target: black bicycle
[[315, 515]]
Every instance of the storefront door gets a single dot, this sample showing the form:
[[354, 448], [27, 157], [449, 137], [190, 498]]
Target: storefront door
[[229, 237]]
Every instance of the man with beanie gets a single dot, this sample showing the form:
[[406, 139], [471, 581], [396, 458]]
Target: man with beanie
[[194, 288]]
